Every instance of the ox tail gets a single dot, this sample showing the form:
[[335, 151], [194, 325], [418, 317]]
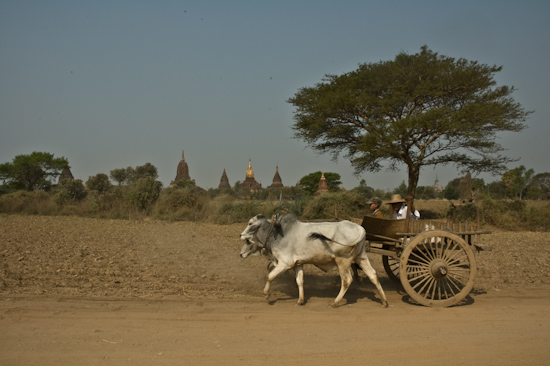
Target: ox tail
[[319, 236], [315, 236]]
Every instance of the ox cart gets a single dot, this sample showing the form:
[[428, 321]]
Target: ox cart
[[433, 260]]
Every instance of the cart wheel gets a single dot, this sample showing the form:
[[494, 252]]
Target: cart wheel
[[391, 265], [437, 268]]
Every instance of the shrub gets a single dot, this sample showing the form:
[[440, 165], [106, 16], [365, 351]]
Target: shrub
[[509, 215], [342, 205], [70, 190], [538, 218], [466, 212], [237, 212], [185, 202], [99, 183], [144, 192], [295, 207], [36, 203]]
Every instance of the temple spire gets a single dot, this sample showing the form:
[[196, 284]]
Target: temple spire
[[249, 171], [323, 186], [250, 183], [277, 181], [224, 182]]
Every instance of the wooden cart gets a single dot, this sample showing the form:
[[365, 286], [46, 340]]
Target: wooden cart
[[433, 260]]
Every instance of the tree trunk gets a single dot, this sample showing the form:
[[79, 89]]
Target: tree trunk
[[414, 174]]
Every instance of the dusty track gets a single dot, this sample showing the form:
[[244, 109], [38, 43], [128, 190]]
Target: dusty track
[[88, 292]]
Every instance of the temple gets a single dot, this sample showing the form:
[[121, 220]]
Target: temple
[[438, 188], [182, 171], [224, 182], [323, 186], [249, 182], [65, 174], [277, 181]]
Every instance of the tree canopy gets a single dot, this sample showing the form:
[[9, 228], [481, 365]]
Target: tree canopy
[[516, 180], [131, 175], [118, 175], [99, 183], [33, 171], [418, 110]]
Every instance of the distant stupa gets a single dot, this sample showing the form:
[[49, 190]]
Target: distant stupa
[[323, 186], [249, 182], [224, 182], [438, 188], [277, 181], [182, 171], [65, 174]]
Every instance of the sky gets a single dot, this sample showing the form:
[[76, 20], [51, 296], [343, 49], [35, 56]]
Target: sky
[[112, 84]]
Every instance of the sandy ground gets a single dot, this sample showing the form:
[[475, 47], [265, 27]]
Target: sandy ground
[[89, 291]]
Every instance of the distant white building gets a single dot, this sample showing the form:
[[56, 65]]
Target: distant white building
[[437, 187]]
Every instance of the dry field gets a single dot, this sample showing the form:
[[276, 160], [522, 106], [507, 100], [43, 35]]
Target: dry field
[[146, 292]]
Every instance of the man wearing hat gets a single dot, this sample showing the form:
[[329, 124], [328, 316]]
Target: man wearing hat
[[400, 210], [375, 204]]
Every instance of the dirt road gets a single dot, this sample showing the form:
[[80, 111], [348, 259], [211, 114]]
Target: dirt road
[[497, 328], [100, 292]]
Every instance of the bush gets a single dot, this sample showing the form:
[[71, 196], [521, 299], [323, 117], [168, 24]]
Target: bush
[[538, 218], [191, 203], [225, 209], [466, 212], [70, 190], [99, 183], [342, 205], [144, 192], [35, 203], [295, 207], [183, 202], [509, 215]]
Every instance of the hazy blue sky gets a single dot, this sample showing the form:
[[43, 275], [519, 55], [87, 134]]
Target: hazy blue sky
[[112, 84]]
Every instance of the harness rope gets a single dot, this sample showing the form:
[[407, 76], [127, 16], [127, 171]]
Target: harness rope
[[264, 244]]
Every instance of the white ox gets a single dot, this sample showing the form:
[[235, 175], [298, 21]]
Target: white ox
[[290, 243]]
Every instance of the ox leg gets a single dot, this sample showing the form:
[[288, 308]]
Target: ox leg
[[344, 268], [299, 270], [279, 268], [365, 265], [355, 268]]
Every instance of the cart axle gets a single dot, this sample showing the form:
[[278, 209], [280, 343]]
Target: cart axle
[[439, 269]]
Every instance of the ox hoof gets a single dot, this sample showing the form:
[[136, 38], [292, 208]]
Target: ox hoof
[[300, 302], [384, 304], [334, 304]]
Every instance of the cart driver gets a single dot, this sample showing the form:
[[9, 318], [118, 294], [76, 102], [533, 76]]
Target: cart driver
[[400, 209], [375, 204]]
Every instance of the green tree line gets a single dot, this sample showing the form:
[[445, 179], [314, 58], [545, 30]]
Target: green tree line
[[135, 192]]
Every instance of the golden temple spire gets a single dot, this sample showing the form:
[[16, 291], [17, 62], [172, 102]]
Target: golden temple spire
[[249, 171]]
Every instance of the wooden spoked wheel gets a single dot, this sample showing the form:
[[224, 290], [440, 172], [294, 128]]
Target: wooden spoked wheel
[[437, 268], [391, 265]]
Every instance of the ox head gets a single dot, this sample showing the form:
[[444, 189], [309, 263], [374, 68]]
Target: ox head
[[251, 245]]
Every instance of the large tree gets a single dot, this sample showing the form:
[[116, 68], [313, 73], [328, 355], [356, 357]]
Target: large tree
[[141, 171], [131, 175], [33, 171], [418, 110], [99, 183], [119, 175], [517, 180]]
